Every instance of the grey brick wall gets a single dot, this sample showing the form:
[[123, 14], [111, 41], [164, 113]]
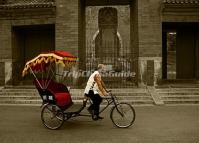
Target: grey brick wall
[[150, 32], [67, 26], [134, 37], [2, 73], [5, 40], [149, 39]]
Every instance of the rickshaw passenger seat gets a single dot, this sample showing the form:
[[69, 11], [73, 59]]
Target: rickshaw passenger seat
[[59, 90]]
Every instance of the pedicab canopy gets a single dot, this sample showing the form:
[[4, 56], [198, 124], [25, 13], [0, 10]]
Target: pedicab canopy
[[42, 61]]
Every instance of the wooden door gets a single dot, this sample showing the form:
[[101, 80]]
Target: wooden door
[[185, 53], [31, 41]]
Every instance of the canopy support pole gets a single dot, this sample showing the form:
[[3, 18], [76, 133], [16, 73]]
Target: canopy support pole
[[36, 78]]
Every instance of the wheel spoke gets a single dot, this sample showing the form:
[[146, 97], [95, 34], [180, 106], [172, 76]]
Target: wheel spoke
[[123, 115], [52, 116]]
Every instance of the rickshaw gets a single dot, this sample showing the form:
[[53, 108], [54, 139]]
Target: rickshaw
[[56, 97]]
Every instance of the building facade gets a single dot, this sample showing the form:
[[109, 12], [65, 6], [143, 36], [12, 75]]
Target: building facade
[[155, 39]]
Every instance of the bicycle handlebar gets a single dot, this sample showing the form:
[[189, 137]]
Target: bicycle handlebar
[[110, 94], [109, 91]]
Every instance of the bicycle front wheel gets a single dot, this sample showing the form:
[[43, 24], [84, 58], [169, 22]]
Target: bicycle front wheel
[[122, 115], [52, 116]]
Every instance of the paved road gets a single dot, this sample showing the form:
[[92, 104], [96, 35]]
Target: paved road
[[154, 124]]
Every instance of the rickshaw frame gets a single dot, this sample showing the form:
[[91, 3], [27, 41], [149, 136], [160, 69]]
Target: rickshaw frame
[[112, 100]]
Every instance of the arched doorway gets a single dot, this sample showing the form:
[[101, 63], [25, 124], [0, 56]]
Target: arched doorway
[[107, 30]]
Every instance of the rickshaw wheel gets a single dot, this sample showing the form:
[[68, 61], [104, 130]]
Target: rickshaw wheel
[[52, 116], [122, 115]]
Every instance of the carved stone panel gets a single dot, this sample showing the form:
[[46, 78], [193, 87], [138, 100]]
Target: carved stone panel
[[107, 43]]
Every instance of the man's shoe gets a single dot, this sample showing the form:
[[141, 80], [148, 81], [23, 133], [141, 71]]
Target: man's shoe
[[90, 111], [99, 117], [95, 117], [84, 103]]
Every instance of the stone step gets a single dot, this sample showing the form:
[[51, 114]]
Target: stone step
[[28, 95], [177, 97], [179, 90], [122, 97], [19, 94], [119, 90], [21, 97], [19, 87], [177, 93], [135, 102], [182, 101], [178, 83], [178, 86], [9, 93], [75, 95], [19, 90], [18, 101], [39, 102]]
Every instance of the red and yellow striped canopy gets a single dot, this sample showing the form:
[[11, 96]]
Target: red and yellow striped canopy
[[42, 61]]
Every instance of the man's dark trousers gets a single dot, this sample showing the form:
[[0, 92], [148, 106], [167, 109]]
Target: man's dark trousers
[[96, 99]]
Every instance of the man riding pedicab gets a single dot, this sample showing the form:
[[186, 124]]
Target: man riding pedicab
[[96, 88]]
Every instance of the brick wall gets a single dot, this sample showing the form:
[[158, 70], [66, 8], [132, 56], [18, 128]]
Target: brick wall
[[67, 25], [180, 13], [5, 40], [67, 28], [150, 32], [149, 38], [134, 37], [2, 75], [5, 47]]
